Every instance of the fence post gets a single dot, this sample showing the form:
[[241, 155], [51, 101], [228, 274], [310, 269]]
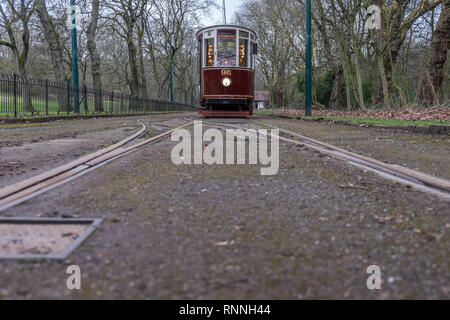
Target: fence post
[[46, 97], [15, 95], [101, 99], [68, 97], [121, 102], [112, 102], [86, 107]]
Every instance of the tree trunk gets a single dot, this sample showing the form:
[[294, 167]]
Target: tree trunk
[[95, 57], [359, 90], [141, 60], [347, 89], [56, 51], [384, 83], [337, 86], [430, 83], [132, 56], [27, 104]]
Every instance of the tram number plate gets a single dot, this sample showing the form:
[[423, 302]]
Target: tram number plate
[[226, 72]]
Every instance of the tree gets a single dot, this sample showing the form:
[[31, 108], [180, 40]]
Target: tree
[[95, 57], [17, 14], [397, 20], [55, 49], [123, 16], [169, 30], [430, 84], [280, 55], [321, 23]]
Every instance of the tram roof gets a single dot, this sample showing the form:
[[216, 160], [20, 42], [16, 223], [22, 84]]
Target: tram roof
[[232, 26]]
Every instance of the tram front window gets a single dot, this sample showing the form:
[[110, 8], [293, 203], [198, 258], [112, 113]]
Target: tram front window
[[226, 48], [209, 51]]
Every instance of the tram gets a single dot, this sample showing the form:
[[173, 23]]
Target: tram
[[226, 67]]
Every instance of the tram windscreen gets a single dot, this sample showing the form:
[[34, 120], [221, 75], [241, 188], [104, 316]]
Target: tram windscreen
[[226, 48]]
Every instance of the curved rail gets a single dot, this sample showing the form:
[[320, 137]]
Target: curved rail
[[417, 179], [24, 190]]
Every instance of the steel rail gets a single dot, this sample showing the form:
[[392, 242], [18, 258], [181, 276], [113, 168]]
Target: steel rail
[[416, 179], [29, 188], [426, 179]]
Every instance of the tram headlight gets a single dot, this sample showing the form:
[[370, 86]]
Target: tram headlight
[[226, 82]]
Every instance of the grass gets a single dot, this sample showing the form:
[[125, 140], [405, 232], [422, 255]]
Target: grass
[[359, 120], [7, 107]]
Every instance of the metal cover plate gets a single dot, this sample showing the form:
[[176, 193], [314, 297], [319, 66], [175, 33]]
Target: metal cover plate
[[43, 238]]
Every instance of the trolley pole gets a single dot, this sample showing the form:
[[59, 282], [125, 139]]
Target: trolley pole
[[308, 69], [224, 12], [171, 71], [76, 93]]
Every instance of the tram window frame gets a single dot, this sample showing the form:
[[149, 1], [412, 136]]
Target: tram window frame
[[252, 56], [200, 55], [244, 34], [245, 43], [207, 42], [245, 37], [227, 34]]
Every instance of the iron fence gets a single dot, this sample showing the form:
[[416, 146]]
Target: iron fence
[[21, 95]]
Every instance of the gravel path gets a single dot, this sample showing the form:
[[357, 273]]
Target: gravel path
[[427, 153], [27, 150], [225, 232]]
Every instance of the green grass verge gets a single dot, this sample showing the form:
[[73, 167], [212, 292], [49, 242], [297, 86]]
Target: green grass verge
[[39, 105]]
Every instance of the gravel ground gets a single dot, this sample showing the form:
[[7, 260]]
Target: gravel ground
[[29, 149], [427, 153], [226, 232]]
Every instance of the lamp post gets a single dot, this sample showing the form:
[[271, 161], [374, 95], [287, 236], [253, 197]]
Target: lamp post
[[76, 93], [308, 69]]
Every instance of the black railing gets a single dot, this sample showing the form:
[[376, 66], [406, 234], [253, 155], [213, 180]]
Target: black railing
[[21, 95]]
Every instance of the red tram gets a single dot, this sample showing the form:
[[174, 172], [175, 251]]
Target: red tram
[[226, 67]]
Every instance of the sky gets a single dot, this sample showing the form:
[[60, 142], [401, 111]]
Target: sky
[[216, 15]]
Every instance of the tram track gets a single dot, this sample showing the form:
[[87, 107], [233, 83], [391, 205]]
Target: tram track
[[416, 179], [29, 188], [17, 193]]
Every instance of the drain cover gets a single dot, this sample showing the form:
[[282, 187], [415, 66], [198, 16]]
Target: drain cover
[[42, 238]]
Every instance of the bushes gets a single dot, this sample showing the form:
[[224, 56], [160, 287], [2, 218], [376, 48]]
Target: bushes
[[323, 87]]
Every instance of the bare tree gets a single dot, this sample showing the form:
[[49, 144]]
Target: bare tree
[[397, 20], [170, 23], [55, 49], [123, 16], [95, 56], [430, 84], [18, 14]]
